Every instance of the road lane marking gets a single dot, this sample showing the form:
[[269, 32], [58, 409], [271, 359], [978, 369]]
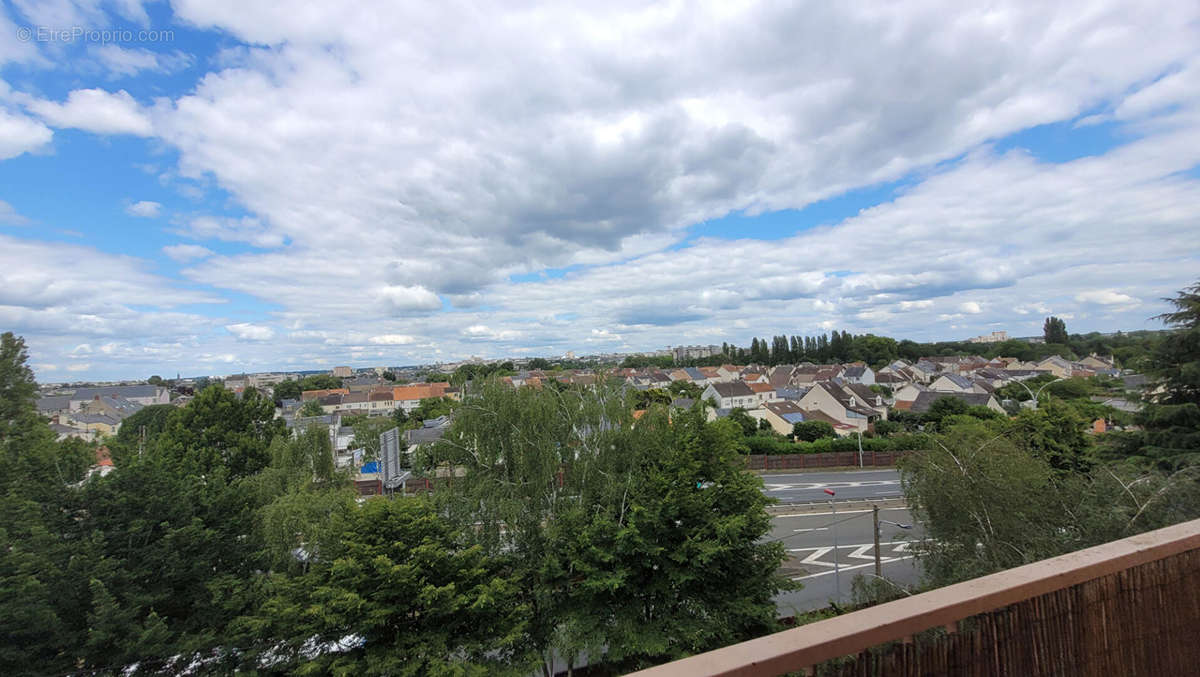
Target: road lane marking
[[882, 560], [812, 529]]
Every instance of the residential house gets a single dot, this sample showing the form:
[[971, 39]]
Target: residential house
[[860, 374], [780, 376], [906, 394], [755, 377], [926, 399], [429, 432], [1098, 362], [730, 395], [1056, 365], [783, 415], [318, 394], [841, 404], [409, 397], [144, 395], [895, 368], [728, 372], [49, 405], [763, 392], [954, 383]]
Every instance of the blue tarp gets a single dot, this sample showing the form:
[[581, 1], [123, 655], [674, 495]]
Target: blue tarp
[[371, 467]]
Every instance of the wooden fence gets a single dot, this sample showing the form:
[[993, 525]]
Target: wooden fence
[[1130, 607], [832, 459]]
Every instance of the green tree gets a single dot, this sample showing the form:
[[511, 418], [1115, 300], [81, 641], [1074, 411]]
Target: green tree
[[745, 421], [141, 430], [311, 408], [400, 595], [630, 541], [685, 389], [810, 431], [42, 602], [220, 431], [1170, 421], [287, 390], [991, 501], [1054, 331], [366, 434]]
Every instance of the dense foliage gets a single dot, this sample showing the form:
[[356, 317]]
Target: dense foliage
[[633, 541], [223, 544], [997, 493]]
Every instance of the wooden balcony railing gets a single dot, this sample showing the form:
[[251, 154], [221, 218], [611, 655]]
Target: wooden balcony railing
[[1129, 607]]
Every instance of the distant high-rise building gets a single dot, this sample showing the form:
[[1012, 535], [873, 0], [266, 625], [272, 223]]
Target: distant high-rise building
[[343, 372], [994, 337]]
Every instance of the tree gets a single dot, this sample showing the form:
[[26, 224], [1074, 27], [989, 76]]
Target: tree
[[366, 434], [389, 376], [1171, 423], [685, 389], [989, 501], [220, 431], [1054, 330], [810, 431], [287, 390], [141, 430], [155, 380], [311, 408], [630, 541], [399, 595], [745, 421], [643, 399]]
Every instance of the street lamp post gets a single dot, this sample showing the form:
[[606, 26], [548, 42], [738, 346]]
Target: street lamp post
[[1039, 390], [860, 456], [837, 579]]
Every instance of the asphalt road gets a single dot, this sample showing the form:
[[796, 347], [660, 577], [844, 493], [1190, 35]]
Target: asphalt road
[[809, 538], [805, 487]]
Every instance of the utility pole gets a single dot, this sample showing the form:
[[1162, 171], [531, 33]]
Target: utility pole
[[878, 562]]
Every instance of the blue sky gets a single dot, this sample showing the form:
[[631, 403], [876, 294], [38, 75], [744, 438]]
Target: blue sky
[[207, 187]]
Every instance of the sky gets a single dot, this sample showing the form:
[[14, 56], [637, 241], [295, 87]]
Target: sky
[[215, 186]]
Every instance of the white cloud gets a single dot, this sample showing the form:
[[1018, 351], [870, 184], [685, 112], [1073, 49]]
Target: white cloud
[[79, 366], [392, 340], [20, 134], [402, 299], [186, 252], [228, 229], [1105, 297], [95, 110], [970, 307], [127, 62], [145, 209], [250, 332]]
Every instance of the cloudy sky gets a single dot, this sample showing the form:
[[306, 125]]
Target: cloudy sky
[[210, 186]]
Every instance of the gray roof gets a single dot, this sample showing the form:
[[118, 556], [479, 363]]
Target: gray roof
[[53, 403], [424, 435], [1134, 380], [683, 402], [960, 381], [794, 417], [854, 372], [732, 389], [694, 373], [123, 391]]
